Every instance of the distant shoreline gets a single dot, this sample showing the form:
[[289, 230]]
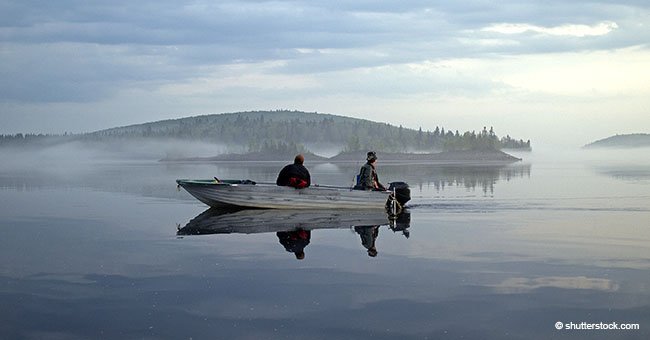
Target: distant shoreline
[[452, 157], [626, 141]]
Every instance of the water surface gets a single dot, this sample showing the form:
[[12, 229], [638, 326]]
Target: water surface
[[94, 250]]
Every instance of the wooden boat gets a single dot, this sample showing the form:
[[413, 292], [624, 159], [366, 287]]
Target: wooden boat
[[253, 221], [246, 193]]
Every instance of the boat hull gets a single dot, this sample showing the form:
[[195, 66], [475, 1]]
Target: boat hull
[[222, 194]]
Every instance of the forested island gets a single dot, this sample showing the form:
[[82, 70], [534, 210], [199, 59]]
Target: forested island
[[635, 140], [282, 132]]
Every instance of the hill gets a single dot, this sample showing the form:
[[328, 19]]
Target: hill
[[279, 131], [267, 134], [636, 140]]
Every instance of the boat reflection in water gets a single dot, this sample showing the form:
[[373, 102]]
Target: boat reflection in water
[[294, 227]]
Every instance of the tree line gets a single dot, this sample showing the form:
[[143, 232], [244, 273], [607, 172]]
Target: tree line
[[20, 139], [482, 141]]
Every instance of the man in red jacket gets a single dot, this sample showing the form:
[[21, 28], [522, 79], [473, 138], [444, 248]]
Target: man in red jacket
[[294, 175]]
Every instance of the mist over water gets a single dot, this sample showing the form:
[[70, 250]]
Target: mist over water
[[488, 251], [84, 152]]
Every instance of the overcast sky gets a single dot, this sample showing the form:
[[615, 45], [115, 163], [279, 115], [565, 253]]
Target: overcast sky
[[554, 71]]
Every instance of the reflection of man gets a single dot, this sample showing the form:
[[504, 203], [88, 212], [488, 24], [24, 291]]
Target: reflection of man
[[368, 237], [295, 241]]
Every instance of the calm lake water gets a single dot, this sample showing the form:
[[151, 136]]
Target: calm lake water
[[93, 250]]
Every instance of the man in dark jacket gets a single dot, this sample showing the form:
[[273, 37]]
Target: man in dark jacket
[[368, 179], [294, 175]]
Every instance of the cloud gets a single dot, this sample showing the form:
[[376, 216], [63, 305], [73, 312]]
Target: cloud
[[270, 26], [562, 30], [74, 72]]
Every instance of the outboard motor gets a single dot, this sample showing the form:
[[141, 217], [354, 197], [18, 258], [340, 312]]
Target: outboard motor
[[402, 192]]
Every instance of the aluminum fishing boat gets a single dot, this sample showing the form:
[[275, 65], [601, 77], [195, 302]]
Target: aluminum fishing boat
[[249, 194]]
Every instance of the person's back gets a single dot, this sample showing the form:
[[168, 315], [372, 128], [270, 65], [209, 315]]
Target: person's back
[[368, 179], [294, 175]]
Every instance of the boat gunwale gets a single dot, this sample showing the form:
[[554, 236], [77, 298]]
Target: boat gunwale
[[208, 182]]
